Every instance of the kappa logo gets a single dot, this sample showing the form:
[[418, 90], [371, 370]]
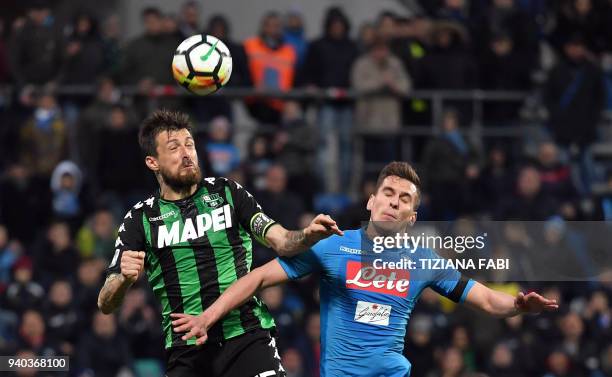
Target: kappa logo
[[350, 250], [212, 200], [162, 217]]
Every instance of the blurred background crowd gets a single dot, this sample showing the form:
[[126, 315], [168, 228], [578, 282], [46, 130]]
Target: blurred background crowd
[[72, 95]]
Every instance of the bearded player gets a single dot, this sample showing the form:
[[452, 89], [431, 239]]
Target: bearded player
[[364, 314], [193, 240]]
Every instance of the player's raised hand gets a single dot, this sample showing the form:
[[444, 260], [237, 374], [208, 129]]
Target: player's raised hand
[[194, 326], [534, 303], [322, 227], [132, 264]]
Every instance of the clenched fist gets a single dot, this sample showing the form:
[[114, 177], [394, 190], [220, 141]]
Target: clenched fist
[[132, 264]]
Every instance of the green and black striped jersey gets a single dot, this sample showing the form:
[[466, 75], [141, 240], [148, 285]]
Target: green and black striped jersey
[[195, 248]]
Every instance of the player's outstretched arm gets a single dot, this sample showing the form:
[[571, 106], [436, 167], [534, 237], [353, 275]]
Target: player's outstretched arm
[[500, 304], [238, 293], [116, 284], [288, 243]]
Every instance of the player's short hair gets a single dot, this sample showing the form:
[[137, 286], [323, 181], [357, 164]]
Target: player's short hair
[[403, 170], [160, 121], [151, 11]]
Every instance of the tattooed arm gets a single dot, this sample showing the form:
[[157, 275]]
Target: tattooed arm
[[116, 284], [288, 243]]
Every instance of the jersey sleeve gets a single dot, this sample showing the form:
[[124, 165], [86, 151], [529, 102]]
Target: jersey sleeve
[[304, 263], [250, 213], [130, 236], [449, 282]]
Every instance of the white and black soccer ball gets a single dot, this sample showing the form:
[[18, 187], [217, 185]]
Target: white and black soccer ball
[[202, 64]]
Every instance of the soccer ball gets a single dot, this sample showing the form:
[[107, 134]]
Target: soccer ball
[[202, 64]]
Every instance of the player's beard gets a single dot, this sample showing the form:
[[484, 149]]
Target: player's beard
[[182, 183]]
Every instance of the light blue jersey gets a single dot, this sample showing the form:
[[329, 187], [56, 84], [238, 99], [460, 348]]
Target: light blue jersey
[[365, 305]]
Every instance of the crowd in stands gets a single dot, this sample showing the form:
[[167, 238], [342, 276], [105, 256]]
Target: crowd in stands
[[70, 166]]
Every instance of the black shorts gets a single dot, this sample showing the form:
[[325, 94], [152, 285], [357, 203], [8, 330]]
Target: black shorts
[[248, 355]]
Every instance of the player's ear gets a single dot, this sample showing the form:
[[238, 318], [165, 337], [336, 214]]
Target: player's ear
[[152, 163], [412, 219], [369, 205]]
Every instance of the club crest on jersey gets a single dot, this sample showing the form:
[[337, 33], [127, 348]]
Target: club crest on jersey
[[212, 200]]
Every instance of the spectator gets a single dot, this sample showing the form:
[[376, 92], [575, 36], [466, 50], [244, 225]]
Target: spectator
[[505, 16], [528, 203], [4, 58], [147, 58], [86, 290], [503, 363], [281, 205], [559, 365], [603, 201], [598, 318], [461, 341], [84, 53], [66, 187], [36, 47], [118, 147], [139, 322], [381, 77], [55, 257], [103, 350], [502, 68], [353, 216], [448, 65], [43, 137], [21, 193], [292, 363], [455, 11], [92, 120], [257, 162], [272, 66], [293, 34], [556, 178], [33, 335], [222, 154], [170, 27], [574, 95], [287, 313], [189, 20], [328, 66], [448, 160], [9, 253], [419, 345], [496, 178], [23, 293], [313, 351], [96, 239], [586, 17], [574, 342], [450, 364], [111, 35], [219, 27], [62, 317], [295, 147], [366, 37], [206, 109]]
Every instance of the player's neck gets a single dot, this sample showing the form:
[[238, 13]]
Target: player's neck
[[168, 193]]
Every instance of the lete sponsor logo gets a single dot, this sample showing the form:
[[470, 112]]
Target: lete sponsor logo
[[367, 278], [372, 313]]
